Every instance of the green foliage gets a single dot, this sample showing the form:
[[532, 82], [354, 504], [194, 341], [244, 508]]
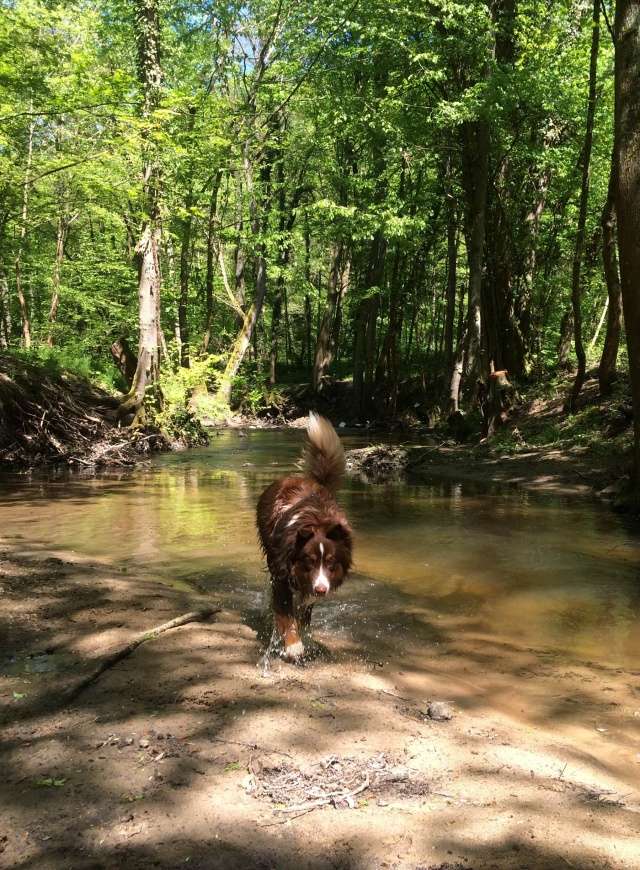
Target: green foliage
[[252, 392], [350, 135], [189, 399]]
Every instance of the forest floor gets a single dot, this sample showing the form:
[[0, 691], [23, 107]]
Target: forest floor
[[185, 753]]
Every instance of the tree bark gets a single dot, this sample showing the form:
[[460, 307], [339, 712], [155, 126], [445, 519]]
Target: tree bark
[[125, 359], [61, 237], [22, 302], [5, 297], [243, 341], [607, 370], [576, 286], [475, 147], [627, 166], [147, 33], [325, 341], [452, 277], [5, 310], [211, 259], [185, 256], [365, 344]]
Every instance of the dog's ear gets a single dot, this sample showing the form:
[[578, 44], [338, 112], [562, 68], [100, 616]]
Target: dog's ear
[[303, 535], [338, 532]]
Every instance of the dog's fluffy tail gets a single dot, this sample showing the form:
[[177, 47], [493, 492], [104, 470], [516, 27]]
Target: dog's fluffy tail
[[323, 457]]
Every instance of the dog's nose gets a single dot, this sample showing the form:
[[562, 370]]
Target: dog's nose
[[320, 588]]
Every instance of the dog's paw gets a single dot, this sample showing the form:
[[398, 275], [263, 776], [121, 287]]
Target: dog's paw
[[294, 652]]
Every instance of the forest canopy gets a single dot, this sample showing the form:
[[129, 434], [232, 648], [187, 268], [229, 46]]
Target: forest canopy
[[245, 195]]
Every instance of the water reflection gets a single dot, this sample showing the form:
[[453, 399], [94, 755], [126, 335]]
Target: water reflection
[[437, 562]]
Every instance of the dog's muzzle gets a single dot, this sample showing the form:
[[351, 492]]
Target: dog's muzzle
[[321, 585]]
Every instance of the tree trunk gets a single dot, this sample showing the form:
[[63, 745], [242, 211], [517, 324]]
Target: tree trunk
[[22, 302], [387, 367], [5, 298], [211, 259], [365, 345], [61, 238], [475, 176], [239, 257], [5, 310], [276, 317], [185, 258], [125, 359], [147, 32], [324, 343], [452, 277], [627, 165], [456, 377], [576, 286], [607, 371], [259, 214], [243, 341], [564, 341]]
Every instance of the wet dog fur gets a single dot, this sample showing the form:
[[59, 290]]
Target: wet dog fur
[[305, 536]]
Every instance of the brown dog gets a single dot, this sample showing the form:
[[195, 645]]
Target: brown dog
[[304, 534]]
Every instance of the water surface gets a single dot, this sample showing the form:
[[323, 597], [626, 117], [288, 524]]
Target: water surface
[[499, 589]]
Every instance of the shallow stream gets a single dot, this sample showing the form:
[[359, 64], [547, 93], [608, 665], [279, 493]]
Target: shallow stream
[[527, 603]]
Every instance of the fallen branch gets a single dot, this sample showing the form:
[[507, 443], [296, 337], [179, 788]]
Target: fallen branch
[[333, 798], [310, 806], [123, 652]]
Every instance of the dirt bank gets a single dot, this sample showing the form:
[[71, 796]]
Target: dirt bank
[[566, 471], [52, 418], [184, 753]]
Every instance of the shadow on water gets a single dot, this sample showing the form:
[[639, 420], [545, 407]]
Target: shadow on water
[[461, 579]]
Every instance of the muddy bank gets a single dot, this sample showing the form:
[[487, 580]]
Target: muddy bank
[[185, 753], [568, 471], [49, 417]]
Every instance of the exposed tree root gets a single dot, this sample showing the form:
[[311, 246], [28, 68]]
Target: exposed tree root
[[50, 418], [122, 653]]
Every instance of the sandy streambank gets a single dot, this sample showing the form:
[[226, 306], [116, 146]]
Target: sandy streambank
[[185, 754]]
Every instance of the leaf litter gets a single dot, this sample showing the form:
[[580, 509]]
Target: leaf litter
[[333, 781]]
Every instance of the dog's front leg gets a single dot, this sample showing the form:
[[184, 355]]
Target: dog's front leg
[[286, 622]]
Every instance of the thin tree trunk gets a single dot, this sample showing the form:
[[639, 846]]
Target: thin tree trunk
[[22, 302], [147, 32], [576, 285], [259, 216], [324, 343], [276, 316], [239, 256], [596, 334], [452, 277], [211, 259], [476, 176], [243, 341], [456, 377], [5, 310], [61, 237], [365, 348], [627, 165], [185, 257], [387, 367], [607, 370], [5, 297], [564, 341]]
